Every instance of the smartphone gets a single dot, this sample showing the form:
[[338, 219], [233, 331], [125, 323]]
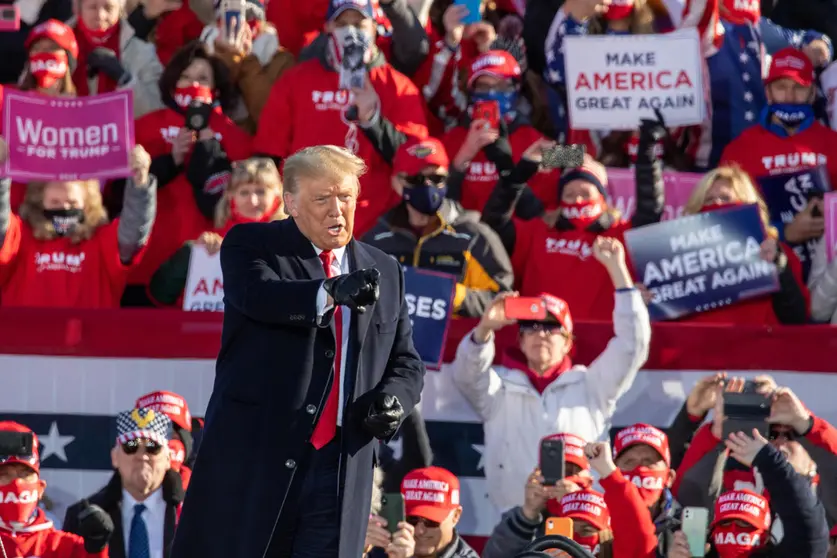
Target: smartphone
[[16, 444], [474, 15], [352, 68], [563, 157], [197, 115], [233, 16], [562, 526], [552, 461], [695, 526], [745, 411], [9, 18], [392, 509], [525, 308], [488, 111], [351, 78]]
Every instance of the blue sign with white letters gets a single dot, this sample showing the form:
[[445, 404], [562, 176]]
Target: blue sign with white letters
[[788, 194], [702, 262], [429, 297]]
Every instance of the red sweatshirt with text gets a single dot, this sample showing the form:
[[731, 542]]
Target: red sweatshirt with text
[[178, 217], [482, 174], [546, 260], [634, 532], [42, 540], [306, 108], [59, 274], [762, 153]]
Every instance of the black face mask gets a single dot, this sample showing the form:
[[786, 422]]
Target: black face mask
[[64, 220], [425, 194]]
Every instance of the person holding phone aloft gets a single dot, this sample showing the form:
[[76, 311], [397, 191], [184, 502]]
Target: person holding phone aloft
[[537, 390]]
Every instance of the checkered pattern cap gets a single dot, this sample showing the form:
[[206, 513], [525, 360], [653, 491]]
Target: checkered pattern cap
[[143, 423]]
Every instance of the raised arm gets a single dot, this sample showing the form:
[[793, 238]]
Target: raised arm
[[139, 209]]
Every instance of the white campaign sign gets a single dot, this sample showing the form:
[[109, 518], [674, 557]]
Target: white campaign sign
[[614, 81], [828, 82], [204, 285]]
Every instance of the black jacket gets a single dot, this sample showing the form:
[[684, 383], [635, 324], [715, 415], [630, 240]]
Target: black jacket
[[109, 499], [273, 371]]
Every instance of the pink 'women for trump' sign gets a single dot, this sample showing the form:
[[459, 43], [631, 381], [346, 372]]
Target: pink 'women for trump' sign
[[60, 138], [678, 188]]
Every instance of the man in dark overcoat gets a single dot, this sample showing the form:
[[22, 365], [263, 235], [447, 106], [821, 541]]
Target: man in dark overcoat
[[316, 362]]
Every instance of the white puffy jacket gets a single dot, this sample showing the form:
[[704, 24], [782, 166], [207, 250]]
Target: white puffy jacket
[[580, 401], [822, 283]]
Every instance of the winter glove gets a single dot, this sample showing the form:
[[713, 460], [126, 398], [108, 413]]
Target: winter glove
[[105, 61], [95, 527], [652, 131], [356, 290], [385, 414]]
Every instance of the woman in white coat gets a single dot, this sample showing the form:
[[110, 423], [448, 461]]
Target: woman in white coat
[[537, 391]]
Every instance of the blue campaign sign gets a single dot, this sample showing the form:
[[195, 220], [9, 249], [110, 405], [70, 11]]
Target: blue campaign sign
[[429, 297], [702, 262], [786, 195]]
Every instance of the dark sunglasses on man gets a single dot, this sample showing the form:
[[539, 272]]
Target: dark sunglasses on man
[[422, 179], [151, 447], [415, 520]]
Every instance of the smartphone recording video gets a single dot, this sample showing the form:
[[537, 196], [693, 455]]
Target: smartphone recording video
[[9, 18], [488, 111], [552, 461], [352, 69], [745, 411], [564, 157], [525, 308]]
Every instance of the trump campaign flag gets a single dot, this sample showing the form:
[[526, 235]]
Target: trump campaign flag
[[429, 297], [205, 283], [702, 262], [59, 138], [614, 81]]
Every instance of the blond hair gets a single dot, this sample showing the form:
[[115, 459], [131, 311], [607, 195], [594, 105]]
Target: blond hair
[[95, 215], [255, 170], [743, 187], [329, 161]]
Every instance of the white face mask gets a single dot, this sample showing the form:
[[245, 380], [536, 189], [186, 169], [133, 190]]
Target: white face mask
[[352, 42]]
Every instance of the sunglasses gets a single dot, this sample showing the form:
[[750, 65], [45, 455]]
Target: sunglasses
[[775, 434], [414, 521], [151, 447], [421, 179], [540, 326]]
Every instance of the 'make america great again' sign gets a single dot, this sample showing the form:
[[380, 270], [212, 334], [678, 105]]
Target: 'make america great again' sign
[[59, 138]]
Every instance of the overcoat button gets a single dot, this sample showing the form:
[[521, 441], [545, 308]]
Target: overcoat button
[[310, 409], [329, 354], [290, 463]]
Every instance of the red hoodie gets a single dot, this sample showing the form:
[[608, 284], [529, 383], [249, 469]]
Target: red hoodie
[[40, 539], [178, 218]]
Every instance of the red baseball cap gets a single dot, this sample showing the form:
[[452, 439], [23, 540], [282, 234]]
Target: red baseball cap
[[586, 505], [170, 404], [744, 505], [618, 9], [415, 155], [642, 434], [60, 34], [498, 63], [793, 64], [431, 493], [558, 309], [34, 460], [573, 448]]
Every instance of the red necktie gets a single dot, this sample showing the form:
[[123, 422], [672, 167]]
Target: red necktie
[[327, 425]]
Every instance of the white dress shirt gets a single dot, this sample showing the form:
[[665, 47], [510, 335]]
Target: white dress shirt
[[154, 517], [340, 266]]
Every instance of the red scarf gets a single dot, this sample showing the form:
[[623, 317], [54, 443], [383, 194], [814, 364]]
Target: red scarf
[[88, 40], [513, 358], [237, 218]]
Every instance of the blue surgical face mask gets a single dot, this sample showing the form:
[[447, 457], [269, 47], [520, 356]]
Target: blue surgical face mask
[[425, 197], [506, 99], [792, 115]]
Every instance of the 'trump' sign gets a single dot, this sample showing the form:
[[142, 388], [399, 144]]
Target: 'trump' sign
[[205, 283], [54, 138], [678, 188], [702, 262], [614, 81], [429, 297]]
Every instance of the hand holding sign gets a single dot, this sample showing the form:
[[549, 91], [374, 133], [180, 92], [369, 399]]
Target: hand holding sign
[[4, 151], [211, 241], [806, 224], [494, 318]]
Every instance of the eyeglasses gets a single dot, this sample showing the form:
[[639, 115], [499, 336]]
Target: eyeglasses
[[414, 521], [775, 434], [151, 447], [421, 179], [540, 326]]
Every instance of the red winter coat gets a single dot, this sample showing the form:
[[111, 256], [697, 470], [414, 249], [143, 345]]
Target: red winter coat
[[482, 174], [42, 540], [178, 217], [305, 108], [634, 532], [546, 260], [174, 30]]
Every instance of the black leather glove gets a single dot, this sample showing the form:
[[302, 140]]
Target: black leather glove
[[105, 61], [652, 130], [356, 290], [385, 414], [96, 527]]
